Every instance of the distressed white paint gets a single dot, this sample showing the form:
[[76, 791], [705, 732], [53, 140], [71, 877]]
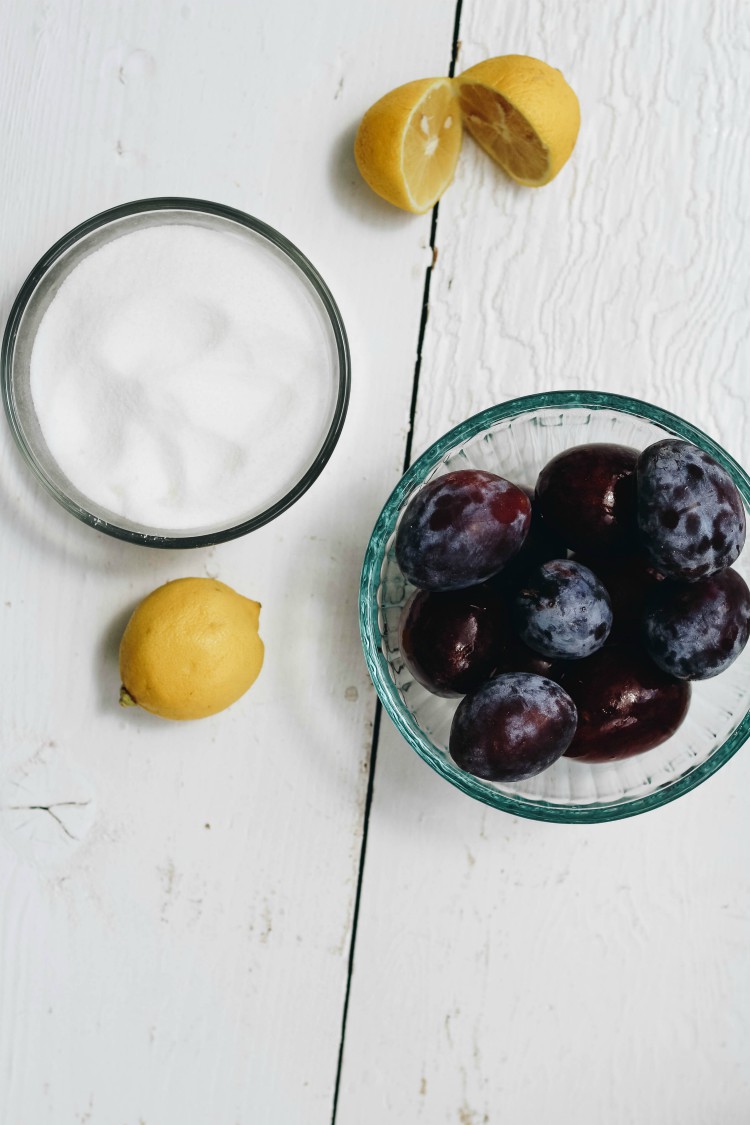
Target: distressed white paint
[[184, 959], [508, 971]]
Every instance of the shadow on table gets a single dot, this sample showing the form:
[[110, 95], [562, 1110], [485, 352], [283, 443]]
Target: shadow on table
[[107, 658], [352, 192], [57, 535], [324, 683], [416, 804]]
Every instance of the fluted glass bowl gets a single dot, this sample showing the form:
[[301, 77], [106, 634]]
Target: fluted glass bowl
[[515, 440]]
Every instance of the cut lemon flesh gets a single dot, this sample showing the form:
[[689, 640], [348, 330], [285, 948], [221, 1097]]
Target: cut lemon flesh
[[523, 113], [504, 133], [408, 143]]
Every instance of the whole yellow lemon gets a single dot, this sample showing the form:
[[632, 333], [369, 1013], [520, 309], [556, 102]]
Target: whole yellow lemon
[[190, 649]]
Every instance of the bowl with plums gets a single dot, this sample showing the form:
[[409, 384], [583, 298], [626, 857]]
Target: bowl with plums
[[554, 606]]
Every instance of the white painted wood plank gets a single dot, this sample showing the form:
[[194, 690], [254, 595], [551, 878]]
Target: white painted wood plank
[[183, 960], [627, 273], [508, 971]]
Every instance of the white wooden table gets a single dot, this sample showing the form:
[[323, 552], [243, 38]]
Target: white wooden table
[[263, 919]]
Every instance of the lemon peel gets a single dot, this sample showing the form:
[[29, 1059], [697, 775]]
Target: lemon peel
[[523, 114], [190, 649], [408, 143]]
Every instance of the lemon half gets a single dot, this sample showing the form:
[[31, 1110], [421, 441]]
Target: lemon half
[[190, 649], [407, 144], [523, 113]]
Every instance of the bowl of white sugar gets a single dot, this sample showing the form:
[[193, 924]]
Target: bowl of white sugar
[[175, 372]]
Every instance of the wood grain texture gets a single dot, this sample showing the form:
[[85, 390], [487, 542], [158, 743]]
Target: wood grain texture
[[176, 901], [509, 971]]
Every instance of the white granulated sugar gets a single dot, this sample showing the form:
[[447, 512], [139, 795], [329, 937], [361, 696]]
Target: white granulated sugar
[[182, 376]]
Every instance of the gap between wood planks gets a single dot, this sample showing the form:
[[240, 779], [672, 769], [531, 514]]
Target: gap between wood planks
[[378, 705]]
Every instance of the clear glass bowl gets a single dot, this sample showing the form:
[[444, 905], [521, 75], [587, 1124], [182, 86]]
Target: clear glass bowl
[[34, 299], [515, 440]]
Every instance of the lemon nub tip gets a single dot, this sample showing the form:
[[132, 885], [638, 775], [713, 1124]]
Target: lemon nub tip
[[126, 699]]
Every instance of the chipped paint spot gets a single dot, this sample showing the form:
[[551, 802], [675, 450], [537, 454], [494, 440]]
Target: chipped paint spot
[[265, 933], [47, 807]]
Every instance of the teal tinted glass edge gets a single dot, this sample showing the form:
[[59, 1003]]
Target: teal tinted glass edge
[[372, 638]]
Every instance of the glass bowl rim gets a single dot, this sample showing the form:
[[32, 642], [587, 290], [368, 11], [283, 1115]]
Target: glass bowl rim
[[204, 207], [533, 809]]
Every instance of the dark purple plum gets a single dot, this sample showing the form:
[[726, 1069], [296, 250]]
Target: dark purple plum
[[586, 495], [562, 611], [518, 657], [513, 727], [625, 703], [460, 529], [451, 642], [629, 579], [695, 630], [690, 514], [540, 546]]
